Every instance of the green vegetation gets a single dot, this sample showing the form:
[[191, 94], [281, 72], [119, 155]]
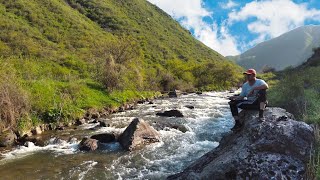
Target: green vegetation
[[60, 58], [298, 91]]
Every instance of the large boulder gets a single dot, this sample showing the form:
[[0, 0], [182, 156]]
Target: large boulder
[[7, 138], [88, 144], [138, 134], [172, 94], [171, 113], [278, 148], [104, 138]]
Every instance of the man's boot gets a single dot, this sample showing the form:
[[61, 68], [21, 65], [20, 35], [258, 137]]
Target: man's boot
[[261, 111], [237, 125]]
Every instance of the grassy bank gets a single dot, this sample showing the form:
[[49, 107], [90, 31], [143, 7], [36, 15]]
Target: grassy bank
[[59, 58], [298, 91], [34, 93]]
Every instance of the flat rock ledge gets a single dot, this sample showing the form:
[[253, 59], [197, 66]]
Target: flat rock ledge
[[278, 148]]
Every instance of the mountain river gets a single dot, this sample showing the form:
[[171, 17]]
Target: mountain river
[[61, 159]]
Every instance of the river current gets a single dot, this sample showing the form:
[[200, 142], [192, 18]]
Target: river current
[[60, 159]]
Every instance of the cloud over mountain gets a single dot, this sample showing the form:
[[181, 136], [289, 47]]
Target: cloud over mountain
[[233, 26]]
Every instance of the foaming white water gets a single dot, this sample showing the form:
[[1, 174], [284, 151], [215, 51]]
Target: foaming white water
[[206, 124], [55, 145], [83, 169]]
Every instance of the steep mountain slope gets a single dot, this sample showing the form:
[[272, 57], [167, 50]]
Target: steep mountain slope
[[290, 49], [298, 89], [59, 58]]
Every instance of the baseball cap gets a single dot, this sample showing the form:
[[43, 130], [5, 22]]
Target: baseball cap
[[250, 71]]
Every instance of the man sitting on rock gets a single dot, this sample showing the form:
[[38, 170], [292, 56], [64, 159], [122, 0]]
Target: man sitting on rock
[[252, 94]]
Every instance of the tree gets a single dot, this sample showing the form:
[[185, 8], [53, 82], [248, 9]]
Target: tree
[[267, 69]]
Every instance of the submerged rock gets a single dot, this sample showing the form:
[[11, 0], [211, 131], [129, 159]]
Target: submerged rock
[[7, 138], [104, 138], [171, 113], [180, 127], [166, 125], [80, 122], [189, 106], [278, 148], [88, 144], [138, 134]]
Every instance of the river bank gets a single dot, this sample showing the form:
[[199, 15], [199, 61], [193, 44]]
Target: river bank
[[11, 138], [60, 157]]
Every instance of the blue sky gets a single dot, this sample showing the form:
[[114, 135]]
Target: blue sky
[[233, 26]]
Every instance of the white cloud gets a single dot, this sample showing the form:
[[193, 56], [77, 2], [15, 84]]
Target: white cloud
[[273, 17], [191, 13], [229, 5], [266, 18]]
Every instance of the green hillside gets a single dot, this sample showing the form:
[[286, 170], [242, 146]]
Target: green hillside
[[61, 57], [298, 91]]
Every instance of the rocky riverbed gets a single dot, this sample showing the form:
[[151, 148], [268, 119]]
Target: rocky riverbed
[[182, 139], [277, 148], [187, 137]]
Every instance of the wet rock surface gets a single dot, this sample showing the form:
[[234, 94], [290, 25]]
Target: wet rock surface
[[278, 148], [189, 106], [171, 113], [80, 122], [138, 134], [88, 144], [104, 138]]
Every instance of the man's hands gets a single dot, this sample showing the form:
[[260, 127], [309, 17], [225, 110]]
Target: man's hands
[[233, 98], [251, 93]]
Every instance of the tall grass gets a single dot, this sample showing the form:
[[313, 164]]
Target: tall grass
[[14, 103], [298, 91]]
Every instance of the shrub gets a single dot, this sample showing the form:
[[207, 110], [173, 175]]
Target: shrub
[[14, 103]]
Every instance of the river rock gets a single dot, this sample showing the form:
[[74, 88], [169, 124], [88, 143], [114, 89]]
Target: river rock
[[189, 106], [104, 138], [171, 113], [138, 134], [278, 148], [37, 130], [7, 138], [88, 144], [80, 122], [180, 127], [172, 94], [141, 101], [103, 123], [36, 140]]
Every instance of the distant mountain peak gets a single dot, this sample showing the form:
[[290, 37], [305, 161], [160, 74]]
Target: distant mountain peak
[[290, 49]]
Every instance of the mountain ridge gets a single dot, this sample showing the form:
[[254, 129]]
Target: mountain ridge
[[290, 49], [61, 58]]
